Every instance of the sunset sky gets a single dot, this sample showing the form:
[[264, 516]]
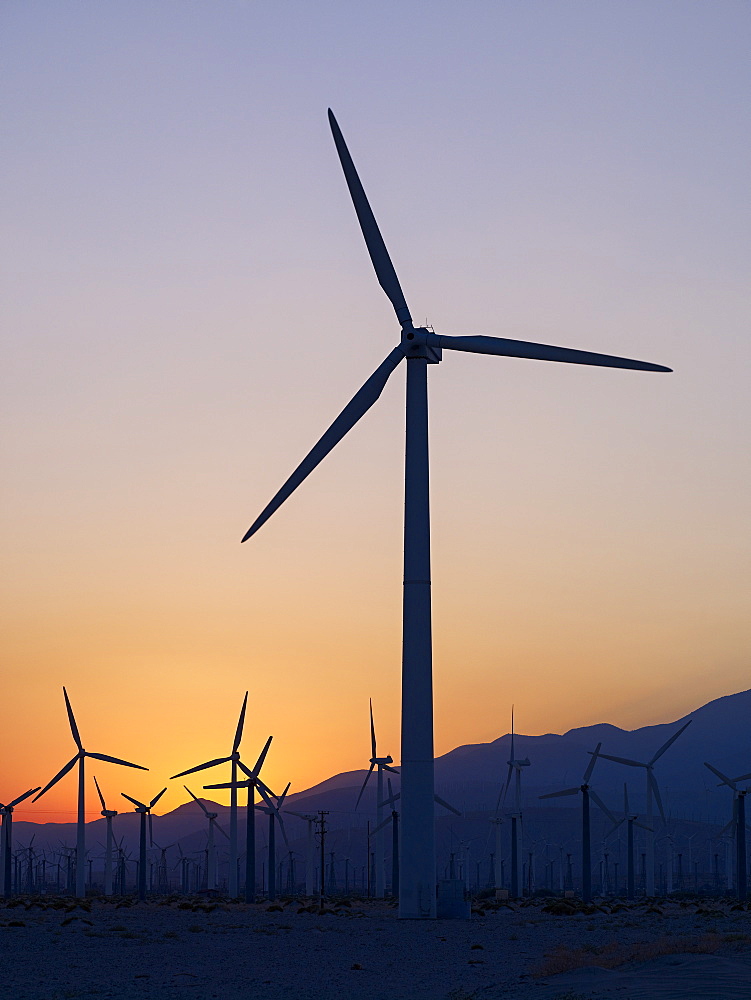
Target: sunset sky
[[188, 302]]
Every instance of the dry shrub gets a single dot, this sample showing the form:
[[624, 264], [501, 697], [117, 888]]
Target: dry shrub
[[615, 953]]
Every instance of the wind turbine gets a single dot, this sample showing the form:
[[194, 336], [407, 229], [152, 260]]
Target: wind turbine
[[739, 821], [7, 836], [108, 815], [144, 811], [210, 847], [514, 768], [274, 814], [253, 781], [420, 347], [310, 854], [382, 763], [652, 789], [79, 758], [587, 793], [234, 759], [632, 819]]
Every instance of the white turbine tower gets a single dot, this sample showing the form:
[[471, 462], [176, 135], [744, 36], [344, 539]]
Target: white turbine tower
[[652, 790], [234, 759], [382, 763], [79, 759], [108, 815], [6, 841], [421, 347]]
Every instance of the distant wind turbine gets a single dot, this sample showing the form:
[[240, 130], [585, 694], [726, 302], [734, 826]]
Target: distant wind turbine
[[587, 793], [6, 811], [652, 790], [420, 347], [514, 768], [79, 759], [273, 811], [632, 819], [253, 781], [108, 815], [211, 878], [383, 764], [143, 810], [234, 759], [739, 822]]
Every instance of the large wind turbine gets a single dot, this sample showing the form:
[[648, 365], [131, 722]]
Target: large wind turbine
[[652, 789], [234, 759], [420, 347], [6, 811], [383, 764], [79, 758]]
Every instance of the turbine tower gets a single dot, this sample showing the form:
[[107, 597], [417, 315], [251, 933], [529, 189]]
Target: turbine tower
[[211, 878], [79, 758], [632, 818], [652, 790], [234, 759], [421, 347], [382, 763]]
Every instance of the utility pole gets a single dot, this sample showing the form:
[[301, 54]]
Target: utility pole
[[321, 832]]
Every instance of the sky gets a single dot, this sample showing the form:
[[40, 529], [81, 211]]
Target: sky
[[188, 302]]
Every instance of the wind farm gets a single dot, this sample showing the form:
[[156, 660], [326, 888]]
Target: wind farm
[[466, 713]]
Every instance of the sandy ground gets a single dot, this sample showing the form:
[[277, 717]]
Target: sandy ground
[[232, 951]]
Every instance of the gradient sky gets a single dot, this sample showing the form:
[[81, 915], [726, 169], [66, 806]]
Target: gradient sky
[[188, 302]]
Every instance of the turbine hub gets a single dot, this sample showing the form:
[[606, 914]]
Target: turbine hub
[[415, 344]]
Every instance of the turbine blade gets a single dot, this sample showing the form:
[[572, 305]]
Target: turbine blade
[[508, 782], [230, 784], [206, 811], [114, 760], [372, 732], [22, 797], [356, 408], [262, 756], [281, 798], [557, 795], [384, 269], [612, 830], [596, 798], [281, 827], [240, 724], [99, 793], [60, 774], [643, 826], [537, 352], [266, 796], [743, 777], [621, 760], [393, 770], [141, 805], [156, 798], [221, 829], [202, 767], [445, 804], [367, 776], [723, 778], [656, 793], [672, 740], [512, 733], [72, 721], [591, 765]]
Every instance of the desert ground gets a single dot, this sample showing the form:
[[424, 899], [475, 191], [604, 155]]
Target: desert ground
[[53, 948]]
